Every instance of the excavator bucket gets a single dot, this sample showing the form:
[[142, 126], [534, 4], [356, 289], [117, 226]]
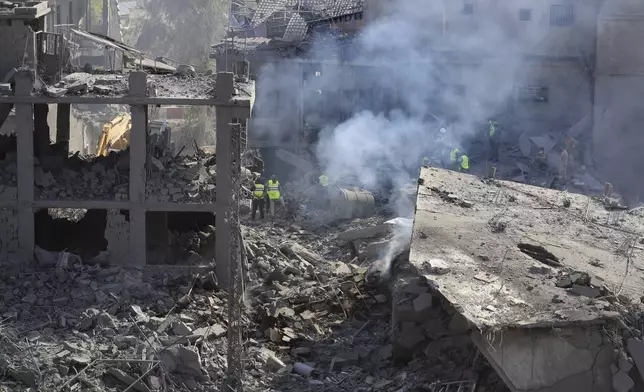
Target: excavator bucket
[[115, 136]]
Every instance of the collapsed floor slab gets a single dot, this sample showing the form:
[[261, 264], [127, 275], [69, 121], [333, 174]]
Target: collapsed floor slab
[[539, 283]]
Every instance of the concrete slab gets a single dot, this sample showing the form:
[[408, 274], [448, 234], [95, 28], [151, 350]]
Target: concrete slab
[[522, 290]]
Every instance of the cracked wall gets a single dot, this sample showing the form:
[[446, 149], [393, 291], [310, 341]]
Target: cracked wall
[[551, 360]]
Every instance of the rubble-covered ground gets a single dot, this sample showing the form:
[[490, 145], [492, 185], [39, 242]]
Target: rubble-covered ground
[[311, 323]]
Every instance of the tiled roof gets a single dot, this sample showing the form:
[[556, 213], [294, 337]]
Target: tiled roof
[[296, 28], [265, 9]]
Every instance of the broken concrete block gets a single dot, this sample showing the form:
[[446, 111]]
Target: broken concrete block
[[410, 335], [422, 302], [459, 323], [128, 380], [345, 360], [586, 291], [622, 382], [105, 320], [179, 328], [363, 233], [380, 298], [438, 266], [636, 350]]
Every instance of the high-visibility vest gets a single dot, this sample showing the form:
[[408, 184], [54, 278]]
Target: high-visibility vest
[[453, 156], [273, 190], [465, 162], [492, 129], [324, 180], [259, 191]]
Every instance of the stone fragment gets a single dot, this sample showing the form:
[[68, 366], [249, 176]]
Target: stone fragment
[[380, 298], [422, 302], [410, 335], [345, 360], [362, 233], [438, 266], [586, 291], [622, 382], [273, 363], [139, 315], [128, 380], [184, 360], [105, 320], [179, 328]]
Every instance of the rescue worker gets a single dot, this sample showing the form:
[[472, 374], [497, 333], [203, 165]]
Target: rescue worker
[[273, 193], [259, 193], [494, 138], [324, 180], [453, 158], [464, 163]]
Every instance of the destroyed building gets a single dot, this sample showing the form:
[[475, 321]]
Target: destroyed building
[[138, 186], [543, 280], [567, 63]]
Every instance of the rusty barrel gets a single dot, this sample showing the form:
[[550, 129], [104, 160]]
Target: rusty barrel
[[349, 203]]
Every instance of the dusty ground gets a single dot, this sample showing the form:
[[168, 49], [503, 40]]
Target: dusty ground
[[85, 328]]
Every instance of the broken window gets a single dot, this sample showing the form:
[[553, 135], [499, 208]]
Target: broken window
[[525, 15], [533, 94], [468, 9], [562, 15]]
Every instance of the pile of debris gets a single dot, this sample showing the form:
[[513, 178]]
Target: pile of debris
[[307, 322], [182, 179], [83, 177], [8, 167]]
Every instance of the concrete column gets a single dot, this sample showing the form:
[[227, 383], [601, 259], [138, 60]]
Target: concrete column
[[25, 135], [62, 124], [223, 89], [138, 137]]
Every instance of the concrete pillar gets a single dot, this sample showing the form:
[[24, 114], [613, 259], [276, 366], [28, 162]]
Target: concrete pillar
[[62, 124], [157, 233], [138, 137], [41, 130], [25, 135], [224, 89]]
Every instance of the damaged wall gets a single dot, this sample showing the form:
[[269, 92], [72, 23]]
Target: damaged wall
[[18, 43], [551, 360]]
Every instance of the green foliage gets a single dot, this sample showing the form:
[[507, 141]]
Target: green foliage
[[183, 30]]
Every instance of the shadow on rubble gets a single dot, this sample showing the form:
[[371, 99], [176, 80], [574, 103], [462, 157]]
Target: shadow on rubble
[[344, 334]]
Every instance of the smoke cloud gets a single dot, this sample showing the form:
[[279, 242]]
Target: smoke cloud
[[423, 66]]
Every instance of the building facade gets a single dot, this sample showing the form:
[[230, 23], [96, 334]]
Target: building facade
[[619, 95]]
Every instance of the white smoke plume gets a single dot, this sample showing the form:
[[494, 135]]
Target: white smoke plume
[[428, 60]]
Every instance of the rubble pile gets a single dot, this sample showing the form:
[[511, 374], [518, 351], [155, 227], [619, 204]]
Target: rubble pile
[[180, 180], [308, 323], [83, 177], [80, 83]]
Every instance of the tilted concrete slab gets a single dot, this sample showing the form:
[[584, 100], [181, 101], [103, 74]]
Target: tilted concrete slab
[[490, 281]]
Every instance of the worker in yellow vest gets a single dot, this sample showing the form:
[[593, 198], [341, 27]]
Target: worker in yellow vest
[[453, 158], [273, 193], [324, 181], [463, 163], [259, 193]]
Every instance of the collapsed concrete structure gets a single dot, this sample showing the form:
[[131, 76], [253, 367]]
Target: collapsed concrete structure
[[119, 183], [540, 279]]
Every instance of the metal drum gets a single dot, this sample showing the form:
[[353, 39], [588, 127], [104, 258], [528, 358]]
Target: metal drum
[[352, 203]]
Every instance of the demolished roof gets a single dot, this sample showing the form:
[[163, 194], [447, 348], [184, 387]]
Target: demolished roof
[[499, 251]]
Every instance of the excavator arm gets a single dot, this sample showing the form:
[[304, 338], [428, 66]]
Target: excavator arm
[[116, 134]]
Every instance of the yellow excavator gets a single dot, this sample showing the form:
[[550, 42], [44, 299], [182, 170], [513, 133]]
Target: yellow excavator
[[116, 135]]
